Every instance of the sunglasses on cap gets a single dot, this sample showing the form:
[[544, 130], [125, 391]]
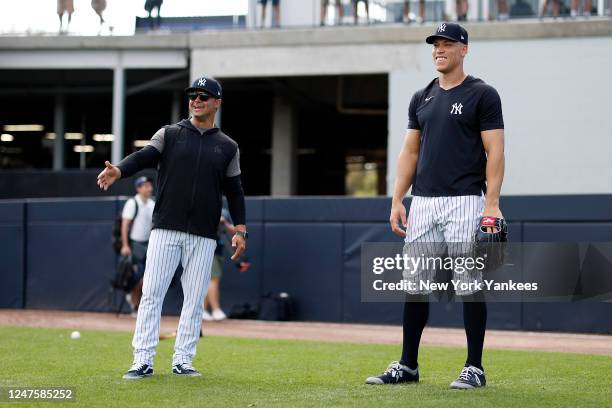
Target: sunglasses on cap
[[201, 96]]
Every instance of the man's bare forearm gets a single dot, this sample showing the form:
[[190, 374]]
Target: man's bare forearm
[[495, 176], [125, 226], [406, 167]]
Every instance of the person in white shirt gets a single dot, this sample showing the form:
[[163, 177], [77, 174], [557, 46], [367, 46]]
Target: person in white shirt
[[136, 221]]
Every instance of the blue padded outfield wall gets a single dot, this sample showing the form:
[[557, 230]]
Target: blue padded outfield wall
[[56, 254]]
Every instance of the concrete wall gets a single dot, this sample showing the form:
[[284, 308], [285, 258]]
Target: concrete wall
[[553, 78], [553, 89], [554, 95]]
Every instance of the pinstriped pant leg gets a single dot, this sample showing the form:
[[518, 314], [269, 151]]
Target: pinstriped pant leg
[[464, 213], [163, 257], [197, 262], [423, 239]]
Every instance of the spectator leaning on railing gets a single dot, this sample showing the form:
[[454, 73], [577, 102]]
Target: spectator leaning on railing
[[339, 11], [275, 12], [421, 18], [65, 6], [356, 15], [149, 6], [555, 9]]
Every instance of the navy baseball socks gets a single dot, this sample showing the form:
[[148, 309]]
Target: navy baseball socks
[[475, 322], [416, 313]]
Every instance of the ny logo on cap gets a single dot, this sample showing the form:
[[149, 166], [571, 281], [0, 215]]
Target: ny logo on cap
[[202, 82], [441, 28]]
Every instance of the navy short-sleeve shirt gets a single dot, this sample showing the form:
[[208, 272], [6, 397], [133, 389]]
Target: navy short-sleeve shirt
[[452, 159]]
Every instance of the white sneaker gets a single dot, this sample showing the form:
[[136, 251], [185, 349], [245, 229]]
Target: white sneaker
[[207, 317], [218, 315], [128, 299]]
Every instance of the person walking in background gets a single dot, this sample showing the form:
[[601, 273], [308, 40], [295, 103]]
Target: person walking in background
[[275, 12], [420, 18], [356, 9], [65, 6], [339, 11], [99, 6], [555, 9], [212, 299], [151, 5], [136, 222]]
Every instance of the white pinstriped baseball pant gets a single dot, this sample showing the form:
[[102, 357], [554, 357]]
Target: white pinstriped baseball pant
[[166, 249], [436, 224]]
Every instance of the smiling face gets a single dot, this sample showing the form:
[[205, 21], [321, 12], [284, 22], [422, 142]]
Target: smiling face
[[203, 110], [448, 55]]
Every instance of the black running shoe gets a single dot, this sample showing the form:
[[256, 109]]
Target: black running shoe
[[138, 371], [185, 370], [394, 374], [470, 377]]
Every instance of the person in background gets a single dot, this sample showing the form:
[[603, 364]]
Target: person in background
[[502, 10], [65, 6], [136, 222], [275, 12], [99, 6], [555, 9], [151, 5], [339, 11], [421, 18], [521, 9], [462, 9], [212, 297], [586, 9], [355, 9]]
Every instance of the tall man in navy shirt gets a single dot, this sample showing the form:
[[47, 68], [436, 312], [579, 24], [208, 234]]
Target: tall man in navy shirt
[[453, 158]]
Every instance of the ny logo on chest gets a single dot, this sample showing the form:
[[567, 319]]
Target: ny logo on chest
[[456, 109]]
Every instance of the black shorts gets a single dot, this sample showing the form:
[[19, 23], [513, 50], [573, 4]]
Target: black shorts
[[357, 1], [274, 2]]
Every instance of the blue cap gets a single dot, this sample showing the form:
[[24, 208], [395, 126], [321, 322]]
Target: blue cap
[[208, 85], [450, 31], [141, 180]]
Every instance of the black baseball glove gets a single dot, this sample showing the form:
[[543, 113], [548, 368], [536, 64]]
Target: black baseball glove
[[490, 241]]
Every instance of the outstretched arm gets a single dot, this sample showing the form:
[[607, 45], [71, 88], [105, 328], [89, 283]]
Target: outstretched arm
[[108, 176], [146, 157]]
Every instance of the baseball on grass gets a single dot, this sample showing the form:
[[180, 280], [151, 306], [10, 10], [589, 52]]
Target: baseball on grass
[[75, 335]]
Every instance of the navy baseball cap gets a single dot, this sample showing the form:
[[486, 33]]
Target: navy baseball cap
[[141, 180], [208, 85], [450, 31]]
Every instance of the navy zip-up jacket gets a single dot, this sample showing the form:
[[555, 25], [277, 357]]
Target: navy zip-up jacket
[[194, 167]]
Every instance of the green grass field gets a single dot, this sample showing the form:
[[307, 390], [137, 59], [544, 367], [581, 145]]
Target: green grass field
[[246, 372]]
